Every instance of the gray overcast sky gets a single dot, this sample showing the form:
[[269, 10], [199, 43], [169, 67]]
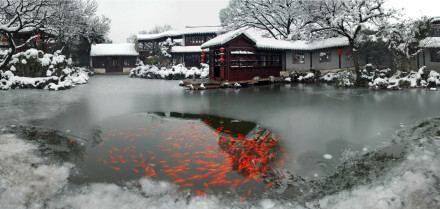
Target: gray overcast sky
[[132, 16]]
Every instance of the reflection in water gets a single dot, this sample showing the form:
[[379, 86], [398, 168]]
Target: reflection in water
[[203, 152], [53, 144]]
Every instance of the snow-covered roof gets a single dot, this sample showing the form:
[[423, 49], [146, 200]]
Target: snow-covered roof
[[430, 42], [186, 49], [113, 50], [166, 34], [435, 20], [185, 31], [201, 30], [274, 44]]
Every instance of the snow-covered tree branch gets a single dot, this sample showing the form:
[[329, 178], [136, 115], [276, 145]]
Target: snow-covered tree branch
[[16, 15], [279, 18], [345, 18]]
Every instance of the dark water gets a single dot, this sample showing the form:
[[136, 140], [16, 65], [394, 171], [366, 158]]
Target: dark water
[[310, 120], [206, 153]]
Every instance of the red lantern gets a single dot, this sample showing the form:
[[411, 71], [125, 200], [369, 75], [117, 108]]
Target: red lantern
[[203, 52], [203, 55], [222, 54], [202, 60], [222, 49], [339, 51], [222, 60]]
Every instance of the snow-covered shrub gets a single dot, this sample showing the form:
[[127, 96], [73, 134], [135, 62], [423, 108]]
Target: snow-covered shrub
[[176, 72], [345, 78], [329, 77], [35, 69]]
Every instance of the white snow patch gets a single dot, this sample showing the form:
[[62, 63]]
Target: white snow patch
[[328, 156]]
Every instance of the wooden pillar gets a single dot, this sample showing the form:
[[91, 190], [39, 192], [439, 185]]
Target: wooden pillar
[[418, 61], [424, 61], [340, 61], [311, 59]]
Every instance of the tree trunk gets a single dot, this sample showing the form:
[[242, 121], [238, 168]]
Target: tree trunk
[[355, 53]]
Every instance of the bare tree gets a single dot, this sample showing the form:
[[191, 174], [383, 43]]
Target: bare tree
[[76, 26], [345, 18], [17, 15], [404, 39], [281, 19]]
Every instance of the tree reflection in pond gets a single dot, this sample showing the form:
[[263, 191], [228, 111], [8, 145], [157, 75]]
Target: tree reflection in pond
[[53, 144]]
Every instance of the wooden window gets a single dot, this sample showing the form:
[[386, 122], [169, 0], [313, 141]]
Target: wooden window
[[192, 59], [299, 58], [194, 39], [435, 55], [325, 56], [435, 30]]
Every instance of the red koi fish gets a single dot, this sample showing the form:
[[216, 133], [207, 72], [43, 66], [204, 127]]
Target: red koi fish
[[179, 181], [269, 185]]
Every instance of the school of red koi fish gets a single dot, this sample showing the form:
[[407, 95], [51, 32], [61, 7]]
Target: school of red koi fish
[[194, 156]]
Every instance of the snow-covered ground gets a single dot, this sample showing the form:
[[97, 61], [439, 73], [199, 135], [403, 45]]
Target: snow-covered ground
[[176, 72], [34, 69], [407, 178]]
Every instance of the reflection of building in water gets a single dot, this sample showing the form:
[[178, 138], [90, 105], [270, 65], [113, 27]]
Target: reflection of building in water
[[251, 148]]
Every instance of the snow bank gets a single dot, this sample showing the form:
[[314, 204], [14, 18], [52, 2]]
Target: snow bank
[[410, 180], [25, 182], [365, 179], [176, 72], [34, 69]]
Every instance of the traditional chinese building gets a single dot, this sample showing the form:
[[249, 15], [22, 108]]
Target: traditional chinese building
[[190, 39], [113, 58], [41, 40], [244, 54], [430, 57]]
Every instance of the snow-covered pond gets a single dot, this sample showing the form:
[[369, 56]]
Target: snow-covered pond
[[389, 158]]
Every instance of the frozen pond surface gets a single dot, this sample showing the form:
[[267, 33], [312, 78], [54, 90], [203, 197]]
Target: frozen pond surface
[[317, 127]]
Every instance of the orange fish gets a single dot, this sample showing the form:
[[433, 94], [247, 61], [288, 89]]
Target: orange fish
[[194, 177], [179, 181], [116, 149], [199, 193], [152, 158], [187, 185], [269, 185], [166, 149], [236, 182], [206, 185], [135, 170], [116, 168]]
